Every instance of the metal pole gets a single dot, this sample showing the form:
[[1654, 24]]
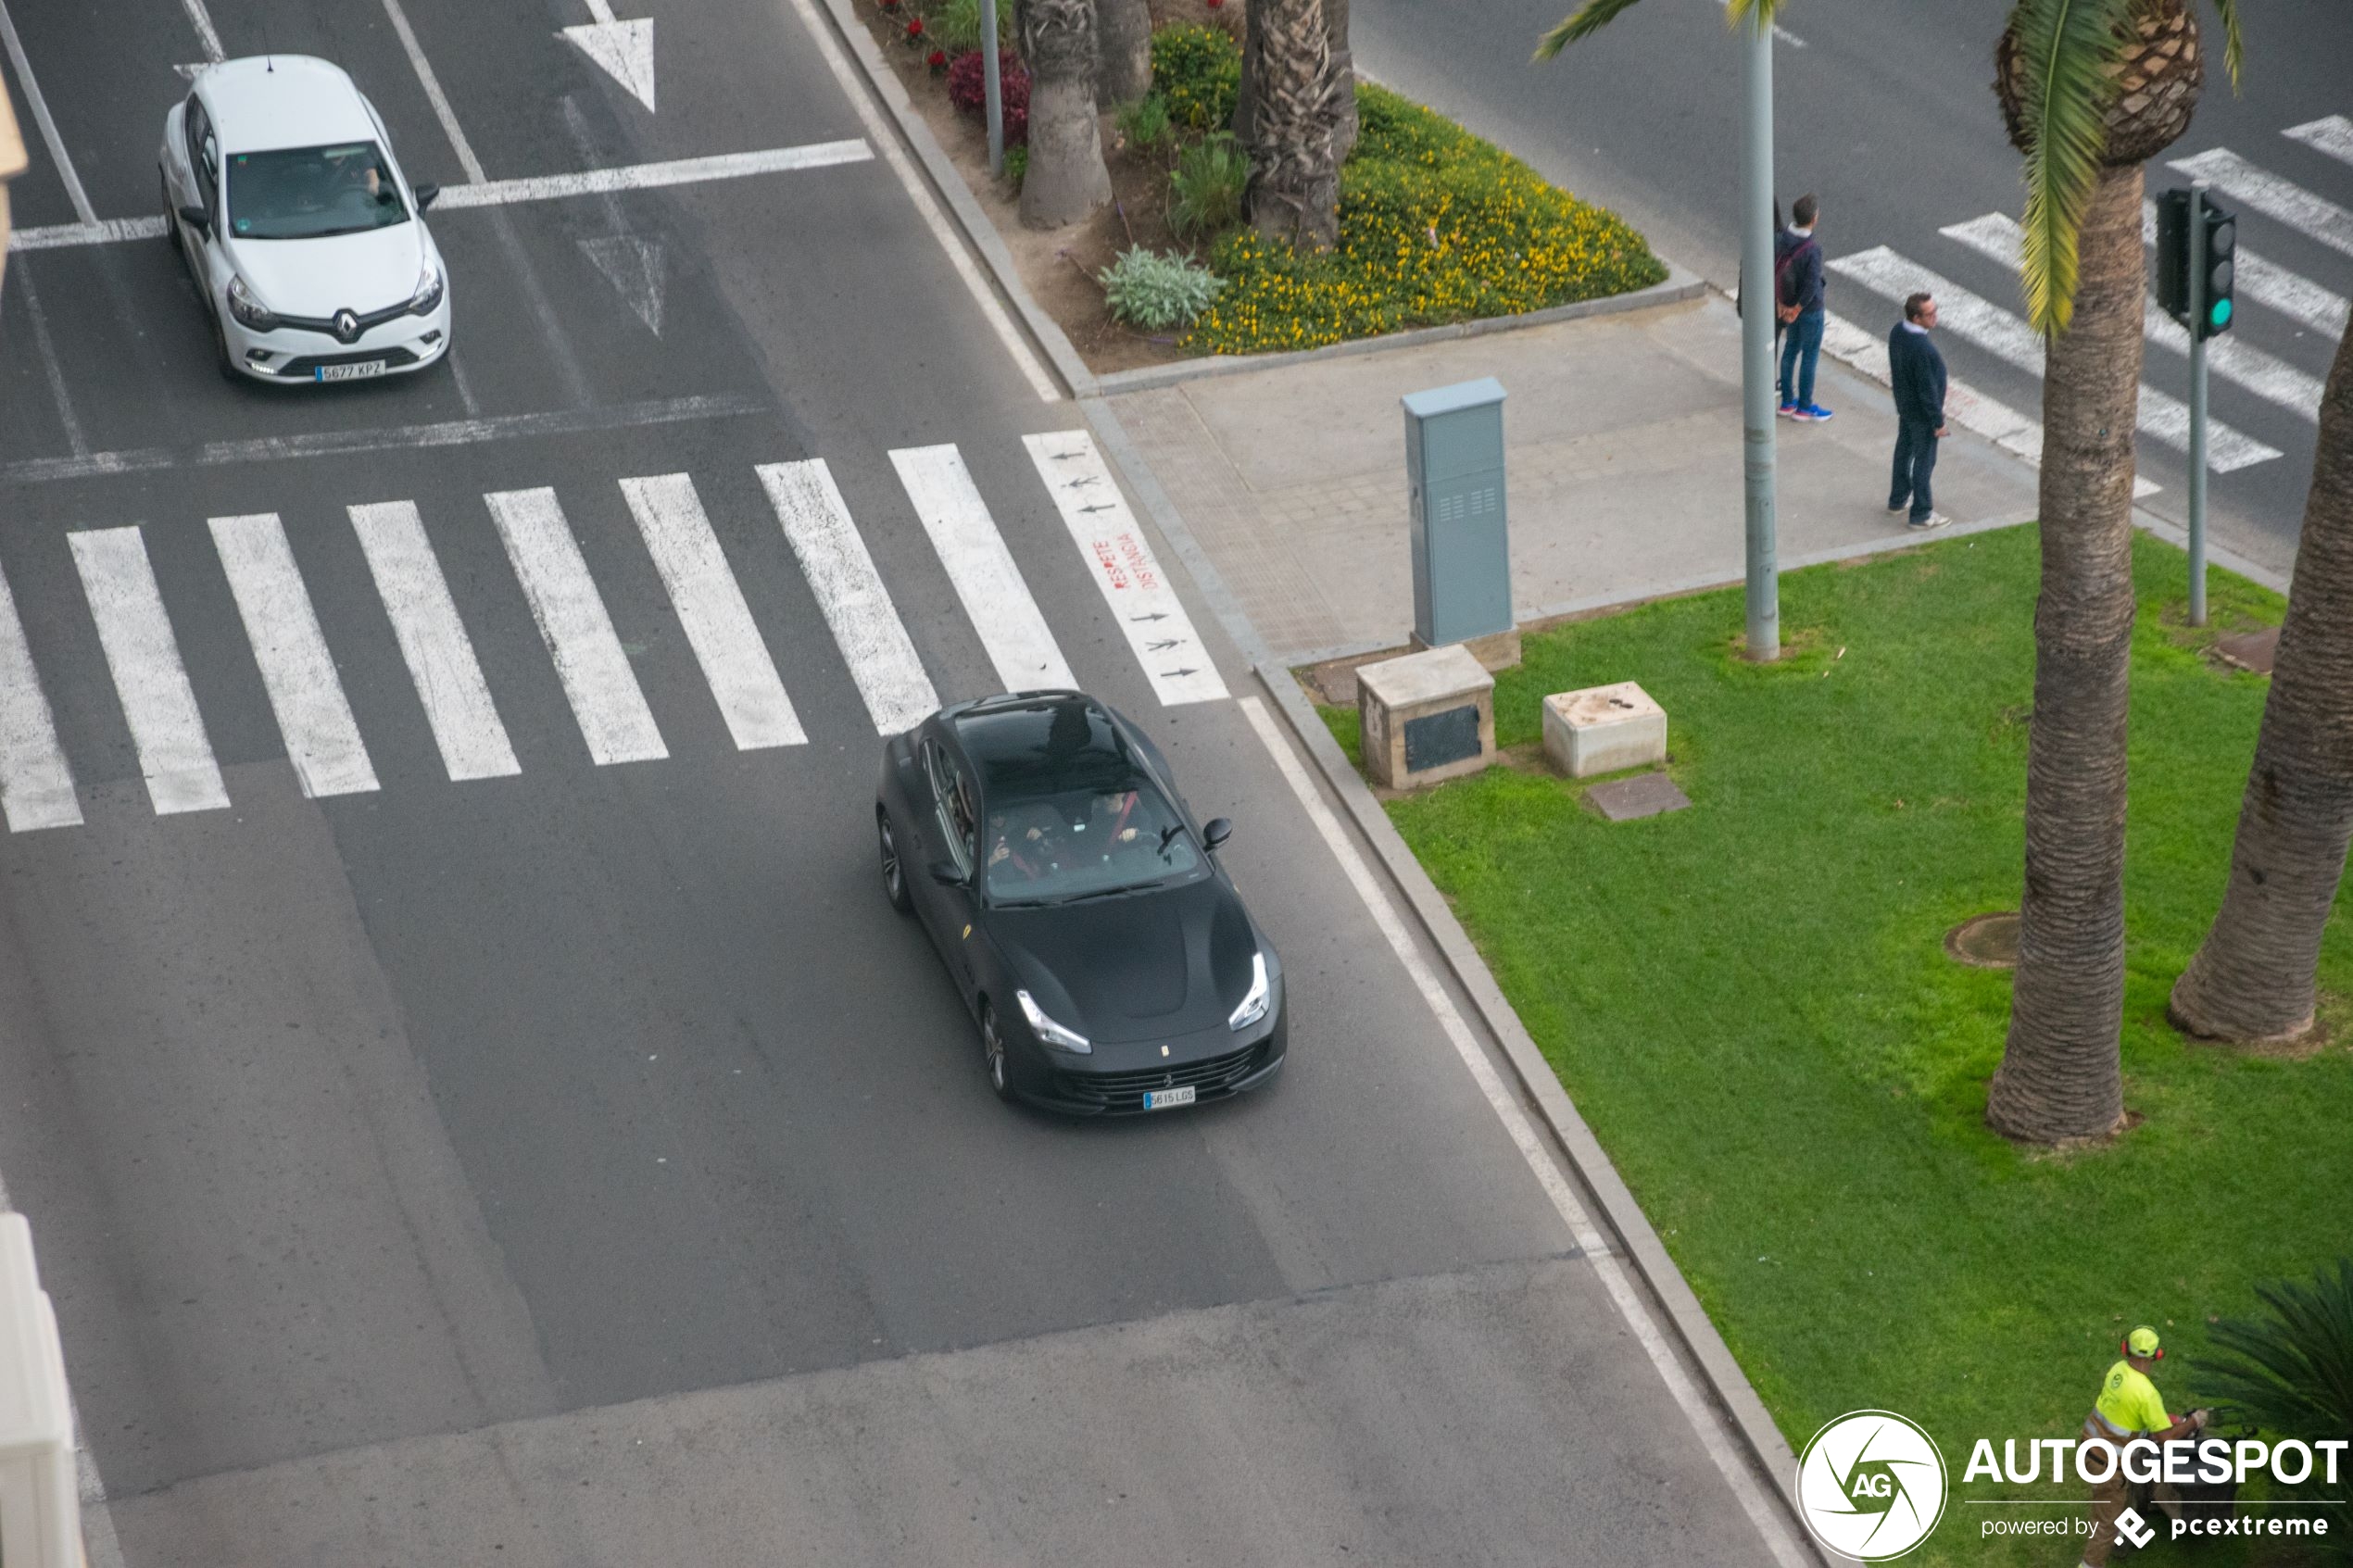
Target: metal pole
[[1758, 299], [992, 92], [2198, 402]]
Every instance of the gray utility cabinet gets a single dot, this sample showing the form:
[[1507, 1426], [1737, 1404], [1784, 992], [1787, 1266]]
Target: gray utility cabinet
[[1461, 550]]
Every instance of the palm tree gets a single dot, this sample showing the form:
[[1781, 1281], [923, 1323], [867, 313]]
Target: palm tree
[[1345, 127], [2253, 978], [1066, 178], [1124, 50], [2090, 90], [1293, 192]]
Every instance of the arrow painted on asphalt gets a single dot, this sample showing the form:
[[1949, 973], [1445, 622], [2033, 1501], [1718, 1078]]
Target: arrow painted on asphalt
[[624, 48], [638, 268]]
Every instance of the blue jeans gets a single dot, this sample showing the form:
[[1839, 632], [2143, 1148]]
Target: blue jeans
[[1915, 460], [1804, 334]]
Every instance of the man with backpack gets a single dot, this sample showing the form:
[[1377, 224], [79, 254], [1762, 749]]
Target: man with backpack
[[1797, 306]]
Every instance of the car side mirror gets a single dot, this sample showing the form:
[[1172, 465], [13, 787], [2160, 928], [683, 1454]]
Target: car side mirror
[[197, 218], [425, 195], [946, 873], [1218, 831]]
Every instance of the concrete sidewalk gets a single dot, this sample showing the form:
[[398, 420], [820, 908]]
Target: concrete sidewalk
[[1624, 441]]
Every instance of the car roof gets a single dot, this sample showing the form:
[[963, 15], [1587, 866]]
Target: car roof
[[269, 101], [1044, 741]]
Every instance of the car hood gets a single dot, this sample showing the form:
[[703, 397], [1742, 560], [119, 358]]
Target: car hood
[[317, 278], [1146, 966]]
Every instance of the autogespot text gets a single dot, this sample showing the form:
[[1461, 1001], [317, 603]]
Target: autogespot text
[[2211, 1460]]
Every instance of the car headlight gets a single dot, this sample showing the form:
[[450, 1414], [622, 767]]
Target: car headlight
[[1254, 1000], [429, 287], [247, 307], [1048, 1031]]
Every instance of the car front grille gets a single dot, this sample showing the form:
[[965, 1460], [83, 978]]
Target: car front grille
[[1126, 1091], [300, 370], [326, 324]]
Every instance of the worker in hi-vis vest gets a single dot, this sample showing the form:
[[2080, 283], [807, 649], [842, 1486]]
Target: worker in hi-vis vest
[[2128, 1411]]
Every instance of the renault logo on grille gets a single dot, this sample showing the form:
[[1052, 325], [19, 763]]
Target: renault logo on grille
[[346, 326]]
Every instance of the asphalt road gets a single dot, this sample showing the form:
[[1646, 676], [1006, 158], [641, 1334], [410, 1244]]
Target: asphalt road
[[584, 1165], [1886, 112]]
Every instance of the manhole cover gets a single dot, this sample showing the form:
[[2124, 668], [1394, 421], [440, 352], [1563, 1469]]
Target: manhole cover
[[1985, 941]]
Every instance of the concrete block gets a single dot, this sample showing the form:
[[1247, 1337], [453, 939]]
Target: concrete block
[[1604, 729], [1425, 716], [1497, 650]]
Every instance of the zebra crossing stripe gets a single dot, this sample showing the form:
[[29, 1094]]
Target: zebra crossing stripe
[[143, 658], [2274, 197], [2332, 135], [2273, 287], [36, 788], [711, 609], [589, 660], [1126, 570], [2269, 377], [2007, 337], [850, 593], [987, 581], [433, 640], [298, 674]]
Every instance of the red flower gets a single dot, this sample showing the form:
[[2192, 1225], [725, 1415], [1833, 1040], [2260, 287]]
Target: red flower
[[938, 59], [1212, 4], [915, 29]]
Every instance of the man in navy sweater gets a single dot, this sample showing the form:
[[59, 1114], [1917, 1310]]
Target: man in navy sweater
[[1917, 372]]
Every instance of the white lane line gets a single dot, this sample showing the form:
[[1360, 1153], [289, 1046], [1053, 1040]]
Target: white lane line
[[143, 657], [860, 97], [433, 640], [589, 659], [36, 786], [987, 581], [711, 609], [850, 593], [2332, 135], [2269, 377], [648, 176], [2276, 198], [1107, 534], [2007, 337], [40, 107], [1522, 1134], [201, 20], [51, 366], [105, 232], [448, 118], [323, 739], [2273, 287]]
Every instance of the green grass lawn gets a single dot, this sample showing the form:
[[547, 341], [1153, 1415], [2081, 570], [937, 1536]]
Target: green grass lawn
[[1750, 1002]]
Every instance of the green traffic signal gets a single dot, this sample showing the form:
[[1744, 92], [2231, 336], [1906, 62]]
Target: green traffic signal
[[2219, 314]]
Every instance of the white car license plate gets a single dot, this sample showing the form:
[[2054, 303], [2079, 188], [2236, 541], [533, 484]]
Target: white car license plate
[[1162, 1100], [360, 371]]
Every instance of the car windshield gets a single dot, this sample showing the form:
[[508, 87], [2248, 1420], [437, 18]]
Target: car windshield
[[1049, 848], [309, 192]]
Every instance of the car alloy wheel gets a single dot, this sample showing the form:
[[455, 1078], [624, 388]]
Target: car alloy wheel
[[894, 871], [993, 1051]]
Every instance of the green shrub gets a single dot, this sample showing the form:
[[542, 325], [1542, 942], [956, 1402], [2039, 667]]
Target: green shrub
[[1199, 72], [1205, 192], [1435, 225], [2289, 1370], [1157, 292], [1016, 167], [1143, 125], [957, 28]]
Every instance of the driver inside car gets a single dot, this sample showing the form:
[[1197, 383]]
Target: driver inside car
[[1028, 837]]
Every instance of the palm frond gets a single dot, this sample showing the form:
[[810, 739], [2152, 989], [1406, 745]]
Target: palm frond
[[1587, 19], [2234, 51], [1766, 11], [2290, 1370], [2063, 48]]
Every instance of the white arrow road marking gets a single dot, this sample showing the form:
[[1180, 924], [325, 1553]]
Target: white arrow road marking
[[323, 739], [597, 681], [1998, 235], [624, 48], [2007, 336], [36, 788], [2332, 135], [638, 267], [2270, 285], [1142, 602], [2268, 193], [711, 609], [1019, 643], [850, 593], [433, 640], [143, 657]]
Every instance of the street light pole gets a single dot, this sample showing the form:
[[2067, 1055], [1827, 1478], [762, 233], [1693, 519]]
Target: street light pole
[[1759, 299], [991, 91]]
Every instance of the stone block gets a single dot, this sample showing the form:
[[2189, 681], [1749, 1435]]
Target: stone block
[[1425, 716], [1603, 730]]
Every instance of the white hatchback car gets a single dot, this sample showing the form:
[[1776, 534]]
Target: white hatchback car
[[300, 231]]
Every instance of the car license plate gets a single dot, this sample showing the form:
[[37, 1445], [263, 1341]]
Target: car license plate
[[1162, 1100], [360, 371]]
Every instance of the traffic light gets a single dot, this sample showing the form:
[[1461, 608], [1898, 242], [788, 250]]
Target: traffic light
[[2222, 247], [2174, 254], [2217, 307]]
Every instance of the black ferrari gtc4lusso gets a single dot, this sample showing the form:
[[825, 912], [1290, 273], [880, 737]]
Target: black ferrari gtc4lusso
[[1082, 912]]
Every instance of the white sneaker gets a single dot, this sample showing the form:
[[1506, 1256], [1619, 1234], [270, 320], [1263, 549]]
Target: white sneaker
[[1933, 519]]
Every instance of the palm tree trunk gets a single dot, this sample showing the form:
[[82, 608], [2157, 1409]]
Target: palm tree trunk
[[1345, 126], [1124, 50], [2060, 1077], [1065, 179], [2253, 979], [1294, 179]]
